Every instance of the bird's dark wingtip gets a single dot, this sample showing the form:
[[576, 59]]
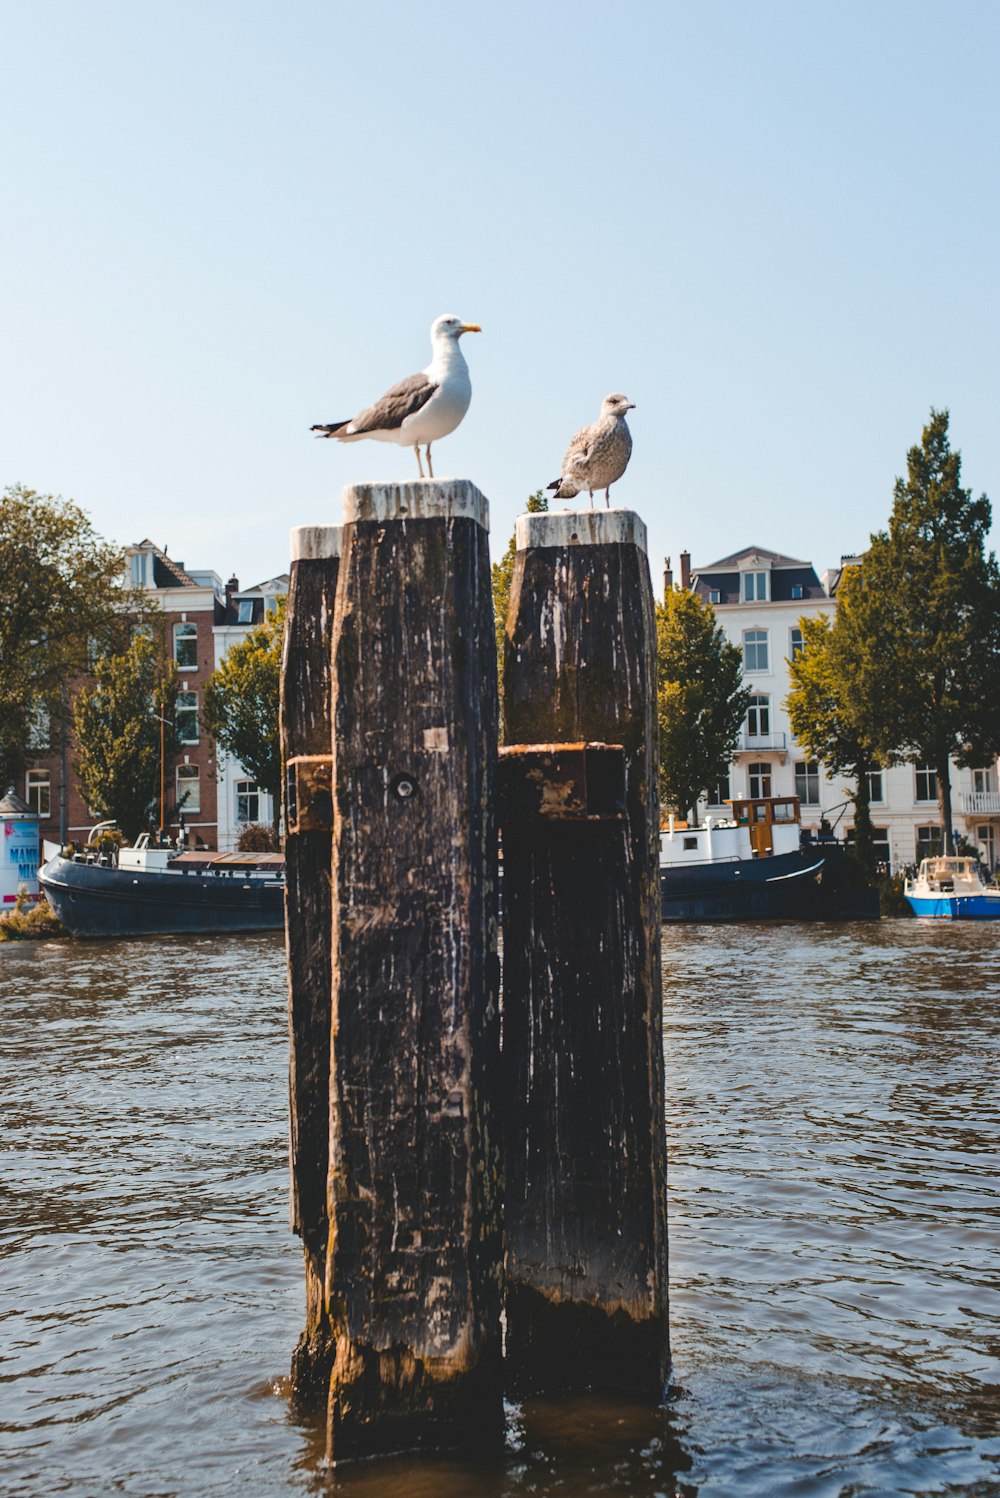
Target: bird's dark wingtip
[[554, 485]]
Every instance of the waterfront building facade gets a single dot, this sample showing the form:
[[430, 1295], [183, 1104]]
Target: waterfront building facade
[[759, 597]]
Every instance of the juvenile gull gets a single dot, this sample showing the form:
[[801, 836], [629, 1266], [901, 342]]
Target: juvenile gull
[[598, 455], [424, 406]]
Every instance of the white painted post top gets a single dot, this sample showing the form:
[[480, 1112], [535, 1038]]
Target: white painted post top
[[581, 528], [421, 499], [313, 543]]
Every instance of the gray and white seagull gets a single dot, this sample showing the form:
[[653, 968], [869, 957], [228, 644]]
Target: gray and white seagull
[[424, 406], [598, 455]]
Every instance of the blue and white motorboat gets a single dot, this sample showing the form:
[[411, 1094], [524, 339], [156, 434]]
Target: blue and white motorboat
[[952, 889]]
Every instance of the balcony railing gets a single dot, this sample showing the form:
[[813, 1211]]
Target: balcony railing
[[981, 804], [752, 743]]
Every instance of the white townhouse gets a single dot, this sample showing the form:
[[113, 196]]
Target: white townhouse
[[759, 597]]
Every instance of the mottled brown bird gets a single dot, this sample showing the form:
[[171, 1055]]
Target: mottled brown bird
[[598, 455]]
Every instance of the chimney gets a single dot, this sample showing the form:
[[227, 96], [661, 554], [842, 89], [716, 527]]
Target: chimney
[[685, 570], [233, 586], [668, 577]]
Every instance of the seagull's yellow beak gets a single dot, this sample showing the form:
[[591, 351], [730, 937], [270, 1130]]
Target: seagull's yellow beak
[[471, 327]]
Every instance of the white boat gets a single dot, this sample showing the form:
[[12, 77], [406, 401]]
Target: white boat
[[952, 889]]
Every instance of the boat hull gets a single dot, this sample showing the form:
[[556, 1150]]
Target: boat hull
[[783, 887], [956, 907], [94, 901]]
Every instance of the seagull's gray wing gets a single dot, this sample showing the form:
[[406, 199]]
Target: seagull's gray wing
[[391, 410]]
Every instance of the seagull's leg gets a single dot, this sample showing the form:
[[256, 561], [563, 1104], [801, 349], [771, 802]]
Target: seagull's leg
[[430, 471], [591, 493], [607, 499], [416, 449]]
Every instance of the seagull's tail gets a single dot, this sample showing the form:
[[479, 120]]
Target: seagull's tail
[[331, 430], [564, 488]]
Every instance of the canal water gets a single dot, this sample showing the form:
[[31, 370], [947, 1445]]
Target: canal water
[[834, 1126]]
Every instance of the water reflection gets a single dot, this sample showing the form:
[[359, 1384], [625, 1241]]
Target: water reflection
[[834, 1132]]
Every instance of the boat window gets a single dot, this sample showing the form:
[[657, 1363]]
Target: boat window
[[690, 843]]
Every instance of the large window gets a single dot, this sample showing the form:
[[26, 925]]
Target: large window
[[244, 611], [760, 780], [38, 792], [755, 587], [926, 783], [876, 790], [759, 716], [188, 789], [247, 801], [807, 782], [141, 569], [795, 646], [930, 842], [984, 781], [755, 650], [186, 646], [718, 794], [186, 717]]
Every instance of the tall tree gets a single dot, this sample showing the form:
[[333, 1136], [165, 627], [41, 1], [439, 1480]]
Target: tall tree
[[701, 698], [503, 576], [121, 741], [927, 604], [825, 707], [62, 598], [242, 704]]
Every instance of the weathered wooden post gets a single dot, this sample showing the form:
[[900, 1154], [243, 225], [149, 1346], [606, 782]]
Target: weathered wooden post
[[414, 1256], [582, 1089], [306, 730]]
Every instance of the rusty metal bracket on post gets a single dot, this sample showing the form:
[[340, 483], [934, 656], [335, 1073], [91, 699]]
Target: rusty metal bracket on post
[[309, 793], [562, 782]]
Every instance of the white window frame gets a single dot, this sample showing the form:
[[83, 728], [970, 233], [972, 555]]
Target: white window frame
[[984, 781], [760, 771], [759, 643], [244, 606], [754, 587], [806, 772], [35, 783], [876, 787], [186, 631], [187, 777], [759, 716], [796, 644], [928, 776], [187, 709], [247, 790]]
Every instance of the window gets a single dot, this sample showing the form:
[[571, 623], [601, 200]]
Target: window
[[930, 842], [142, 631], [140, 565], [760, 780], [188, 789], [986, 838], [186, 646], [876, 791], [759, 716], [926, 783], [714, 596], [796, 590], [755, 650], [718, 794], [880, 846], [247, 801], [807, 782], [270, 604], [38, 792], [754, 587], [245, 611], [186, 717], [984, 781], [795, 646], [39, 727]]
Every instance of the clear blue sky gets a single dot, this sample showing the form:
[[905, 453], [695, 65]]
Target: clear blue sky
[[775, 226]]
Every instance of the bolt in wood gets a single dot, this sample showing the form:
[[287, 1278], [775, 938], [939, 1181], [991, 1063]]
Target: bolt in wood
[[583, 1104]]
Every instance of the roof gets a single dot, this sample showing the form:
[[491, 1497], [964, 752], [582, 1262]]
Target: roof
[[773, 558], [166, 572]]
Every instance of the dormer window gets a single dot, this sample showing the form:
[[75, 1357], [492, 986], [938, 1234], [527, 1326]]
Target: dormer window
[[714, 595], [245, 615], [755, 587], [796, 590]]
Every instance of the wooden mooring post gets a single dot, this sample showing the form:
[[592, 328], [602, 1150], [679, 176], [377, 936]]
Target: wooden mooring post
[[306, 737], [414, 1252], [583, 1103]]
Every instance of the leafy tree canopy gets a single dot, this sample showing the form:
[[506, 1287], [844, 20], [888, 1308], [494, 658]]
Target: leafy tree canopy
[[242, 704], [62, 599], [118, 731], [701, 699]]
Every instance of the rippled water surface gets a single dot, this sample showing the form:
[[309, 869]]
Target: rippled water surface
[[834, 1125]]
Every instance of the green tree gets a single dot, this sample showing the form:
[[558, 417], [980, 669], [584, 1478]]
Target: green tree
[[242, 704], [117, 723], [62, 598], [826, 707], [503, 576], [701, 699], [927, 608]]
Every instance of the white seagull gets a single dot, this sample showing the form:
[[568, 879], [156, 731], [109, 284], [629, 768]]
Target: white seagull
[[424, 406], [598, 455]]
